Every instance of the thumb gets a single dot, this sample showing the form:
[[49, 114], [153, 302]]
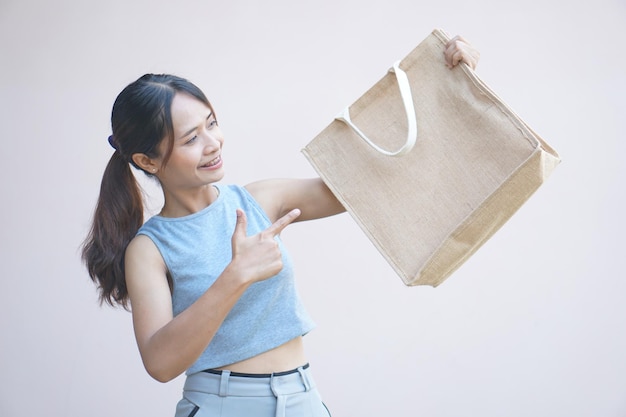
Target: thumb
[[241, 226]]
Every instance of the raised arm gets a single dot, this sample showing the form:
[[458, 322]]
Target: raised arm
[[311, 196]]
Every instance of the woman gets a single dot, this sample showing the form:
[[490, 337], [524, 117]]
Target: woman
[[210, 284]]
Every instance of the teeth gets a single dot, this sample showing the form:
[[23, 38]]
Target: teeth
[[213, 162]]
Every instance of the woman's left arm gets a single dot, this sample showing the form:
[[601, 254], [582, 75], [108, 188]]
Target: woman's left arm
[[280, 196]]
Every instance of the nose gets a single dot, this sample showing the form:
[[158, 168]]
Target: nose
[[212, 141]]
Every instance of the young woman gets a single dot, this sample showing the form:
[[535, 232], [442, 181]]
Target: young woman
[[209, 281]]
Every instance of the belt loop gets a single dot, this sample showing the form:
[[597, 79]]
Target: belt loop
[[305, 379], [281, 400], [224, 383]]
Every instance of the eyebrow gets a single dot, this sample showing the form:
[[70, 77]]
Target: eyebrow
[[190, 131]]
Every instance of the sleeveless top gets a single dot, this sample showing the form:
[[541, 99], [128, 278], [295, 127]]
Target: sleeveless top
[[197, 248]]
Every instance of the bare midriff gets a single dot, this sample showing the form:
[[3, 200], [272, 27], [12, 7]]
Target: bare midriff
[[282, 358]]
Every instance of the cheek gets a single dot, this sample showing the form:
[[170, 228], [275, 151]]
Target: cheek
[[180, 161]]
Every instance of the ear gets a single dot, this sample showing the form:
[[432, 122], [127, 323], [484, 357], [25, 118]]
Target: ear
[[151, 166]]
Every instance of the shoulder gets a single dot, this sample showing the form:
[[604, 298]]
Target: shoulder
[[139, 244], [142, 252], [146, 274]]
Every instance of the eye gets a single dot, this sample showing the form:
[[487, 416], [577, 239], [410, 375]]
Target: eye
[[212, 122], [191, 140]]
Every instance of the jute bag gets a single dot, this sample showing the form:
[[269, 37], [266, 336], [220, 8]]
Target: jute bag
[[430, 163]]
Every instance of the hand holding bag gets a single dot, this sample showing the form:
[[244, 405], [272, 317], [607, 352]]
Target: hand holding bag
[[430, 163]]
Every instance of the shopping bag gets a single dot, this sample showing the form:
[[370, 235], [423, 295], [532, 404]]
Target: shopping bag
[[430, 163]]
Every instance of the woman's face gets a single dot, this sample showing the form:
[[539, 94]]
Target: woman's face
[[196, 157]]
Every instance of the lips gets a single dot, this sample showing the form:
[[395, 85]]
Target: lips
[[212, 163]]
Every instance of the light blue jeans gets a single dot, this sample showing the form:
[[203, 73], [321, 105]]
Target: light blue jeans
[[226, 394]]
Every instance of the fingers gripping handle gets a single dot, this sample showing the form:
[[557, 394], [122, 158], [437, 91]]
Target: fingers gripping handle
[[407, 100]]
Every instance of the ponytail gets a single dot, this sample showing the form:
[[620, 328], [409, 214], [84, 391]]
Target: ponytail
[[117, 218]]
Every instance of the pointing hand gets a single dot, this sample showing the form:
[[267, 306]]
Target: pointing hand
[[258, 257]]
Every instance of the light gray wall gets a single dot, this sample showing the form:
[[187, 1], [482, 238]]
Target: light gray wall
[[533, 325]]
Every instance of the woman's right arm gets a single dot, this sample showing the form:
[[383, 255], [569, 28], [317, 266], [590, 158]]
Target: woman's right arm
[[169, 345]]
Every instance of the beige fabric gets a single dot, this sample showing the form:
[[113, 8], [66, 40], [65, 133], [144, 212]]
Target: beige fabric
[[474, 164]]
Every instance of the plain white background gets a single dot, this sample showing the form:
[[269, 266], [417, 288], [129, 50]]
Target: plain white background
[[533, 325]]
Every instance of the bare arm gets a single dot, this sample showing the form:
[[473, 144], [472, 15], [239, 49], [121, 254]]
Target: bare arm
[[311, 196], [169, 345]]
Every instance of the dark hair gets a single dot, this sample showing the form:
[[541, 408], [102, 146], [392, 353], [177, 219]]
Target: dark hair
[[141, 119]]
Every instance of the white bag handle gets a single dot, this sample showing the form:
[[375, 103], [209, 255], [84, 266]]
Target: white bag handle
[[407, 99]]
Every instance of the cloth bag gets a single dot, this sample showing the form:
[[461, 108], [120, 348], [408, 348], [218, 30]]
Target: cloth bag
[[430, 163]]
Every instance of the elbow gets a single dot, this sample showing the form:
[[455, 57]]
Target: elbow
[[161, 366], [161, 374], [163, 378]]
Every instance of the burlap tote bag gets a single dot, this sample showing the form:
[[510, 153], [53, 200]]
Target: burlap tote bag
[[430, 163]]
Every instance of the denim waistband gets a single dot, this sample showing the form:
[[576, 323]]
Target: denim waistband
[[225, 383]]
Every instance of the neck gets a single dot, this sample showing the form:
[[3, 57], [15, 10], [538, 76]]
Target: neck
[[183, 203]]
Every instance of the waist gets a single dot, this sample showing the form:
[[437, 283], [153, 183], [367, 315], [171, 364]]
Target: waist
[[289, 355], [248, 375], [226, 383]]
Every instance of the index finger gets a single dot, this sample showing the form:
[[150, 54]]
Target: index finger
[[283, 222]]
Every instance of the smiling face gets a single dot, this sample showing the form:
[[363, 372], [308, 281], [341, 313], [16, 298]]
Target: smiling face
[[196, 155]]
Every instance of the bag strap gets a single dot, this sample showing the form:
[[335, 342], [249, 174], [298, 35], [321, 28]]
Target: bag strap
[[407, 99]]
